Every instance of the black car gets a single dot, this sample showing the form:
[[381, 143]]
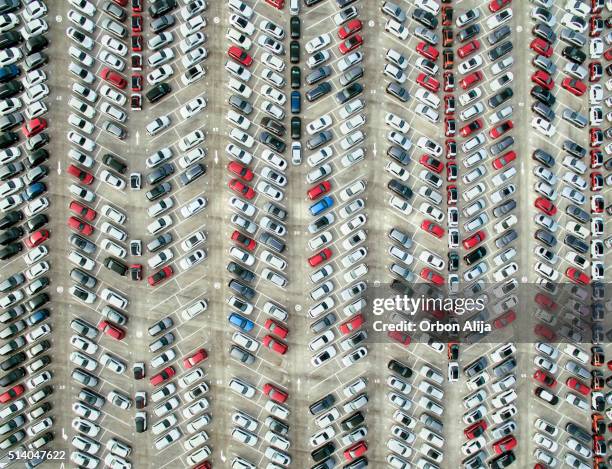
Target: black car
[[348, 93], [543, 157], [295, 27], [10, 39], [161, 7], [273, 126], [296, 77], [501, 97], [12, 377], [115, 163], [37, 157], [399, 368], [159, 191], [503, 460], [11, 219], [353, 421], [192, 173], [574, 54], [294, 52], [577, 213], [319, 74], [36, 222], [241, 289], [116, 266], [13, 361], [318, 91], [576, 243], [158, 92], [10, 251], [322, 404], [543, 95], [476, 255], [160, 173], [468, 33], [546, 237], [323, 452], [453, 261], [36, 44], [500, 50], [400, 189], [272, 142], [398, 154], [425, 18], [296, 128], [239, 271], [10, 235], [7, 139]]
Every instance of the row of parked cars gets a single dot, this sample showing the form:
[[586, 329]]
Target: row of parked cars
[[26, 382], [257, 182]]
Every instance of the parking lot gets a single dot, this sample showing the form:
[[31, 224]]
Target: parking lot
[[388, 191]]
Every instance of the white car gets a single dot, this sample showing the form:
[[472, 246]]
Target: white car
[[317, 43], [319, 124], [397, 29], [194, 206]]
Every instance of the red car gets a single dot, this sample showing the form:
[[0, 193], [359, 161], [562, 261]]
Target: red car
[[576, 87], [545, 332], [471, 80], [240, 55], [447, 15], [544, 79], [400, 337], [608, 54], [596, 159], [468, 48], [197, 357], [507, 443], [136, 24], [431, 276], [36, 238], [545, 205], [161, 275], [545, 302], [33, 127], [136, 272], [545, 378], [113, 78], [577, 385], [136, 5], [243, 240], [276, 3], [11, 394], [275, 345], [80, 226], [507, 318], [241, 171], [501, 129], [432, 228], [496, 5], [318, 190], [355, 451], [322, 256], [110, 329], [597, 182], [275, 393], [475, 430], [352, 324], [595, 72], [542, 47], [432, 163], [577, 276], [472, 127], [349, 28], [276, 328], [475, 239], [500, 162], [163, 375], [428, 82], [350, 44], [427, 50], [83, 211], [82, 176], [241, 188]]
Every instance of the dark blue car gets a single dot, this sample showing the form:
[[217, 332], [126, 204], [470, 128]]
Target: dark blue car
[[34, 190]]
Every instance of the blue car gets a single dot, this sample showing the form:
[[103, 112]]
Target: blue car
[[34, 190], [241, 322], [9, 72], [296, 102], [322, 205], [37, 317]]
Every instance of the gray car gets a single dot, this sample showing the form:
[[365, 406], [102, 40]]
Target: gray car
[[160, 173], [192, 173], [275, 210], [577, 213], [317, 75], [506, 238], [352, 74], [83, 278], [319, 139], [241, 355], [325, 322], [272, 241], [504, 208], [162, 23], [240, 104], [159, 242], [575, 118]]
